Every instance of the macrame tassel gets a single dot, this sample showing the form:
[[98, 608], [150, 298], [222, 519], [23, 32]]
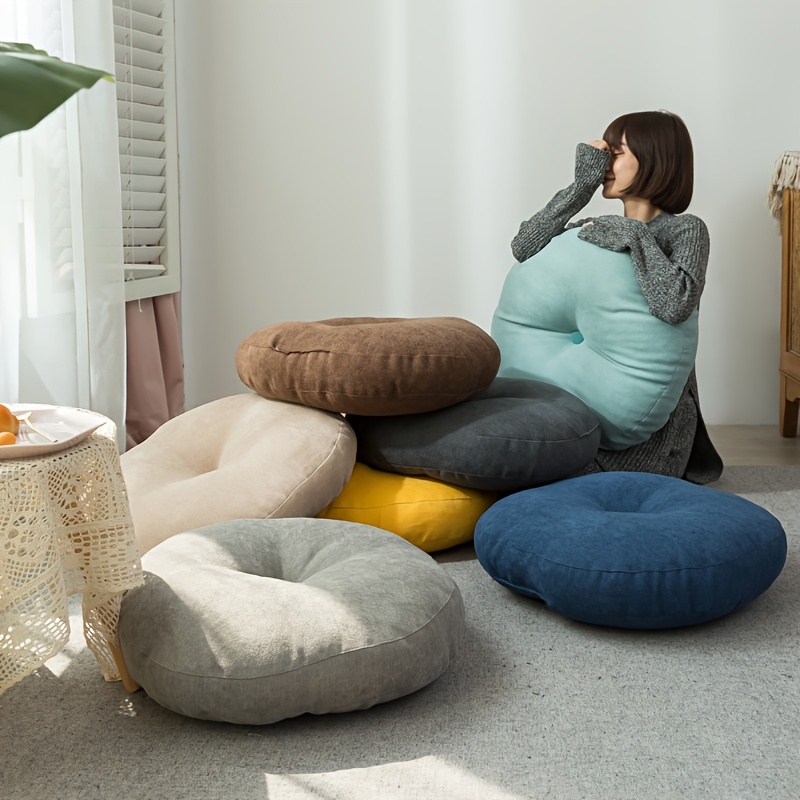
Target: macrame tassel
[[787, 176]]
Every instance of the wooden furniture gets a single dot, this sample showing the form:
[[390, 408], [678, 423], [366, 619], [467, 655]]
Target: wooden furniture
[[790, 314]]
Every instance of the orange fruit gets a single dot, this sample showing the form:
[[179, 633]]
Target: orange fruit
[[7, 438], [8, 422]]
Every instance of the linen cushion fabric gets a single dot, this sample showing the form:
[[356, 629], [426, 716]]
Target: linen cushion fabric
[[632, 550], [242, 456], [367, 365], [428, 513], [254, 621], [515, 435], [573, 315]]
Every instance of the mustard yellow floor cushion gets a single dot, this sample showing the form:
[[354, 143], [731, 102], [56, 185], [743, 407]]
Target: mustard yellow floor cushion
[[426, 512]]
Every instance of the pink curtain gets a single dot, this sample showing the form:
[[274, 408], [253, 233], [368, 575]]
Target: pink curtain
[[155, 386]]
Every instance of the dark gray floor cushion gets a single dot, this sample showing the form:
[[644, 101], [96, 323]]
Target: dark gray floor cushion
[[254, 621], [515, 435]]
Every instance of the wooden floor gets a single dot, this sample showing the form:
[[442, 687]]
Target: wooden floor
[[754, 445]]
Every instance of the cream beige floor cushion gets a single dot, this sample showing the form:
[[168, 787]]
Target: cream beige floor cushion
[[255, 621], [243, 456]]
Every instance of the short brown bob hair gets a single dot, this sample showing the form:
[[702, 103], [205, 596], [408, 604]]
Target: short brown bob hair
[[661, 143]]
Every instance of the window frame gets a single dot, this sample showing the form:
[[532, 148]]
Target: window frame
[[169, 281]]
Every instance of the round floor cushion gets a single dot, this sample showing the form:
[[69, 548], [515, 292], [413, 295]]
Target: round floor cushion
[[254, 621], [515, 435], [367, 365], [239, 457], [632, 550], [430, 514]]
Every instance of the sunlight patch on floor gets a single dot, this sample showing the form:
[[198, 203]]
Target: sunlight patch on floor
[[58, 663], [424, 777]]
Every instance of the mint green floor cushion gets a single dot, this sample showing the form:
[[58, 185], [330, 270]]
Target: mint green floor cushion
[[574, 316]]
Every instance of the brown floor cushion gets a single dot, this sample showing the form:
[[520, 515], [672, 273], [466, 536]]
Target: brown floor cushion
[[370, 366]]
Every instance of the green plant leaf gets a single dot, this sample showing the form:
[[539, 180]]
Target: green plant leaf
[[33, 83]]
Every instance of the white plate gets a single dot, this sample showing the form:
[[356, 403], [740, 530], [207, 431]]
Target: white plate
[[67, 425]]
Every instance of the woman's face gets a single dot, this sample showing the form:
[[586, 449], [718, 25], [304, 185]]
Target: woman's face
[[622, 169]]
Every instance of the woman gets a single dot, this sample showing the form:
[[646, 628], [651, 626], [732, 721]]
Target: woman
[[645, 160]]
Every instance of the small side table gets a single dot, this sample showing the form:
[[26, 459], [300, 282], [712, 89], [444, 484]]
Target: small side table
[[65, 528]]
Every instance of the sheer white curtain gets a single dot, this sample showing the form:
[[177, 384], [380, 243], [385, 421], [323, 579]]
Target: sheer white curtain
[[62, 300]]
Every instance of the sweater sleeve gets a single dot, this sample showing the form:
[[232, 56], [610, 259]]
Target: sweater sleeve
[[672, 284], [590, 167]]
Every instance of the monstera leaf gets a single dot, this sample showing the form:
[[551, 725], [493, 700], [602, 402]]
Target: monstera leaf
[[33, 83]]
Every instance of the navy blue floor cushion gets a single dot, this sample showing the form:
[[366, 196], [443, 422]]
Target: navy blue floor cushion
[[516, 434], [632, 550]]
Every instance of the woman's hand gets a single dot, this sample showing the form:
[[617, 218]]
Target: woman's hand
[[610, 232], [600, 144]]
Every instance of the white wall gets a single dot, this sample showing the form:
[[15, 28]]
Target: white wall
[[375, 158]]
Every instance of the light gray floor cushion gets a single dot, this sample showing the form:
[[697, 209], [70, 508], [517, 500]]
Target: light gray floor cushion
[[254, 621], [240, 457]]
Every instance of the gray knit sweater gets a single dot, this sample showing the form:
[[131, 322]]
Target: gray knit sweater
[[670, 255]]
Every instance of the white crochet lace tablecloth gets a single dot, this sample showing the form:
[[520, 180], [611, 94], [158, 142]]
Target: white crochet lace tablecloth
[[65, 528]]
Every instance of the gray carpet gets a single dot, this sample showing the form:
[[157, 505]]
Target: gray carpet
[[536, 706]]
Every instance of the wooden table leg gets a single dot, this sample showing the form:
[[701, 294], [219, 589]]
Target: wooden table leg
[[128, 682]]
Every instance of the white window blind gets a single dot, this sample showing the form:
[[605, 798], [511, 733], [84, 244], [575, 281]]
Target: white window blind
[[145, 72]]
